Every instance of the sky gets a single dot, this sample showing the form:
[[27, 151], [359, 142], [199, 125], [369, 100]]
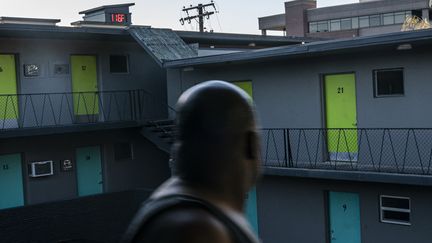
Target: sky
[[235, 16]]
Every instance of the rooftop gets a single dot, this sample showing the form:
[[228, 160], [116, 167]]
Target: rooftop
[[29, 21], [390, 41], [92, 10], [217, 38]]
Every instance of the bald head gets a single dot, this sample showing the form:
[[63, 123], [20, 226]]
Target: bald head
[[217, 134]]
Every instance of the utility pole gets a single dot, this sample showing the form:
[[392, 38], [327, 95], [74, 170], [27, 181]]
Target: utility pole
[[202, 13]]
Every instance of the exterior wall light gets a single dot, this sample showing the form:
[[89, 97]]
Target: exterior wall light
[[404, 47]]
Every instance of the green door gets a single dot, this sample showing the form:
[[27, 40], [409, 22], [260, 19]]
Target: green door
[[8, 90], [84, 85], [11, 181], [344, 212], [251, 202], [89, 171], [341, 117]]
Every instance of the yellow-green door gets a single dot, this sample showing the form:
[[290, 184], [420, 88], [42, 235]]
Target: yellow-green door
[[8, 92], [246, 86], [251, 198], [84, 85], [341, 117]]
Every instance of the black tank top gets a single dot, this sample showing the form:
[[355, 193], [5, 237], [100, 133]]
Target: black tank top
[[154, 207]]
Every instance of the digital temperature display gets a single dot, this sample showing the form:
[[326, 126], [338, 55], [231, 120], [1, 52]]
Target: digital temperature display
[[118, 18]]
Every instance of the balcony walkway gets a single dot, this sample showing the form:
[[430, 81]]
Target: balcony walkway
[[392, 151], [47, 113], [377, 150]]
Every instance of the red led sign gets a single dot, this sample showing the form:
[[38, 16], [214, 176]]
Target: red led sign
[[118, 18]]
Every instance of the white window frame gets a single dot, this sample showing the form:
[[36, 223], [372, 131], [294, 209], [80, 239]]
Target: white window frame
[[382, 209]]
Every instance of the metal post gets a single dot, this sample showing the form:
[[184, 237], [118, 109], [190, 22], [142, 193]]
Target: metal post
[[140, 104], [200, 18], [285, 148], [290, 159], [202, 13], [132, 107]]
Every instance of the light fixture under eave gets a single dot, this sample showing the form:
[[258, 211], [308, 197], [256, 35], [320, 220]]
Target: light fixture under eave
[[403, 47], [188, 69]]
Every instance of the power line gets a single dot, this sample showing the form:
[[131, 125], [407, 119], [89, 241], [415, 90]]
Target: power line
[[217, 17]]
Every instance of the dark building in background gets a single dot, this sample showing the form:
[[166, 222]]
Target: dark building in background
[[303, 19]]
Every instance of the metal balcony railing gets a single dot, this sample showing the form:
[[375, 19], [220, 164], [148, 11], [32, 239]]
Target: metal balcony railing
[[70, 108], [403, 151]]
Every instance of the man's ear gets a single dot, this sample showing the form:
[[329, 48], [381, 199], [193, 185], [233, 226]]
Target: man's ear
[[251, 145]]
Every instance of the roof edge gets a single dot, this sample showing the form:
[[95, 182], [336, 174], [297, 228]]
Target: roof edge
[[106, 6], [357, 176], [307, 48]]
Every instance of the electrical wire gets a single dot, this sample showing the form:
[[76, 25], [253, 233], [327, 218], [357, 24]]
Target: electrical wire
[[210, 25], [217, 15]]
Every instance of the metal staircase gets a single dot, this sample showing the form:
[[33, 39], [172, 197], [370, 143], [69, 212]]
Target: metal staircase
[[161, 132]]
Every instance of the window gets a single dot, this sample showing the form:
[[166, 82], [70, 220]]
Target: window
[[388, 18], [346, 24], [313, 27], [400, 17], [335, 25], [323, 26], [395, 210], [364, 21], [123, 151], [389, 82], [355, 22], [375, 20], [119, 64]]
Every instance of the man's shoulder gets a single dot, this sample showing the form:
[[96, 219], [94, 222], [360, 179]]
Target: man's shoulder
[[186, 224]]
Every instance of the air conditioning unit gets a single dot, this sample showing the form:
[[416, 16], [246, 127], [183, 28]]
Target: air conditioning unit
[[43, 168]]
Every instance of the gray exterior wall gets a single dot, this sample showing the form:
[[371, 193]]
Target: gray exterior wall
[[273, 22], [295, 210], [144, 73], [296, 16], [379, 30], [383, 29], [147, 169], [288, 94], [98, 16], [336, 34]]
